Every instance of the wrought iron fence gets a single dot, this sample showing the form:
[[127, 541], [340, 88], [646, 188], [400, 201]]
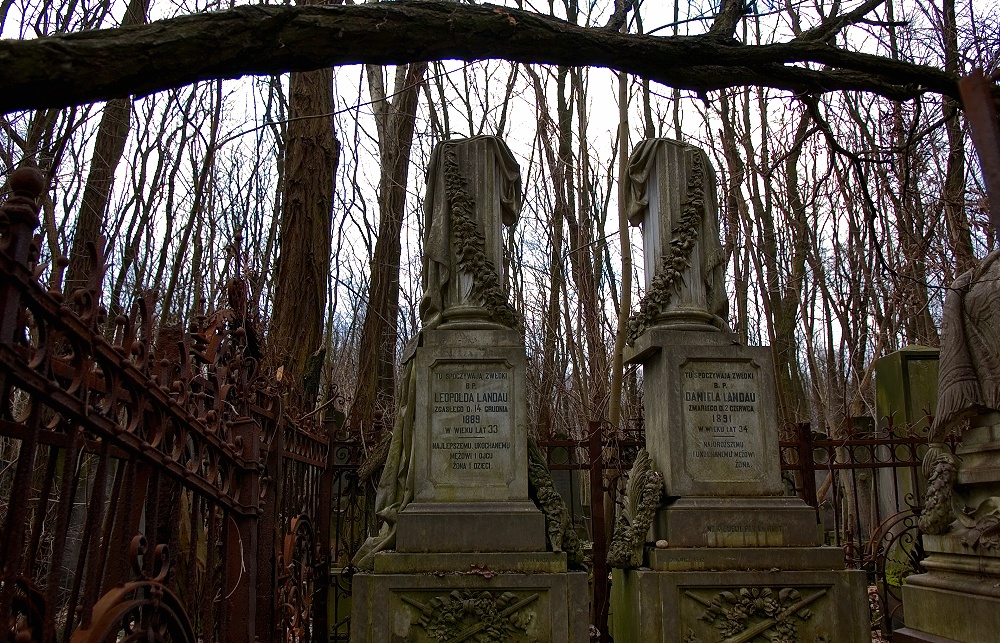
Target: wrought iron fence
[[149, 487], [868, 489], [605, 455]]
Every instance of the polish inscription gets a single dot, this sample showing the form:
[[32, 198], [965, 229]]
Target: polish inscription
[[722, 424], [472, 422]]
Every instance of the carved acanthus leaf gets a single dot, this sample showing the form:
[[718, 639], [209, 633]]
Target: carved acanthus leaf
[[643, 495]]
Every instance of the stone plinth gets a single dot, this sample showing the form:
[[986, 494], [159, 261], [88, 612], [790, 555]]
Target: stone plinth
[[739, 605], [736, 560], [710, 425], [470, 447], [737, 522], [465, 596], [959, 596], [470, 430]]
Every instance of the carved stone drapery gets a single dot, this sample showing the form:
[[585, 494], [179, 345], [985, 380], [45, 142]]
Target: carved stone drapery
[[473, 185], [670, 191]]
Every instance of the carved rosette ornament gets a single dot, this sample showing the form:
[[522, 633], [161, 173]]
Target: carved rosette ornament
[[472, 615]]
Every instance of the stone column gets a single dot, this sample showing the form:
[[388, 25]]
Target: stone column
[[473, 185]]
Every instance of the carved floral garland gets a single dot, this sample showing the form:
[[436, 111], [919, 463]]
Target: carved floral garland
[[470, 245], [674, 262], [481, 616], [750, 611]]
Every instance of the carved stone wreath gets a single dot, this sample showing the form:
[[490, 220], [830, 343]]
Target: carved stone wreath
[[677, 259], [742, 615], [470, 245], [469, 615]]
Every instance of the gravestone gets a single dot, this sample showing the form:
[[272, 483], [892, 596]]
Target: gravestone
[[465, 553], [734, 559], [958, 598], [906, 384]]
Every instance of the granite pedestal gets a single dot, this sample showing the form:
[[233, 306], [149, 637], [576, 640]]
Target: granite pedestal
[[735, 560], [958, 598], [470, 547]]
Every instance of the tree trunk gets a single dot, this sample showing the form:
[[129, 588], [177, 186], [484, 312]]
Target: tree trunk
[[311, 156], [395, 122], [108, 149]]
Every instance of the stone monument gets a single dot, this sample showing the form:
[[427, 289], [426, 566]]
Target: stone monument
[[734, 559], [958, 598], [465, 553]]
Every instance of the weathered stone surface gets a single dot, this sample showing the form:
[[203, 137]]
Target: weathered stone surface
[[426, 608], [737, 522], [470, 430], [670, 191], [470, 559], [471, 527], [906, 384], [472, 185], [710, 425], [745, 558], [520, 562], [707, 607]]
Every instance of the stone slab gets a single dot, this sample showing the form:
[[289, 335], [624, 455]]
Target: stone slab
[[654, 339], [965, 615], [471, 527], [707, 607], [907, 635], [710, 416], [737, 522], [470, 429], [391, 608], [745, 558], [906, 388], [403, 563]]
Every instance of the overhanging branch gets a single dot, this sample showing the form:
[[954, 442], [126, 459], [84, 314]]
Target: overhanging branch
[[96, 65]]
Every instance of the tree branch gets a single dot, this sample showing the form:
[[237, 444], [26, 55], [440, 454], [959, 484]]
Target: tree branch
[[728, 17], [835, 23], [97, 65]]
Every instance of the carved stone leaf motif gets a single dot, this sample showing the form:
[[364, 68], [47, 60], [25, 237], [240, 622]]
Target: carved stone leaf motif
[[758, 613], [470, 245], [559, 529], [470, 615], [673, 263], [643, 495]]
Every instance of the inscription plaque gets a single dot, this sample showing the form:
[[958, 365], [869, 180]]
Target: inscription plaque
[[723, 439], [471, 422]]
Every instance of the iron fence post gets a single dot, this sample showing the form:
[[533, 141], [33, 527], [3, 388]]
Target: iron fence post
[[807, 465], [600, 547]]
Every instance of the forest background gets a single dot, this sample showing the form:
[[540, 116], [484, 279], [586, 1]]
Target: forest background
[[295, 200]]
